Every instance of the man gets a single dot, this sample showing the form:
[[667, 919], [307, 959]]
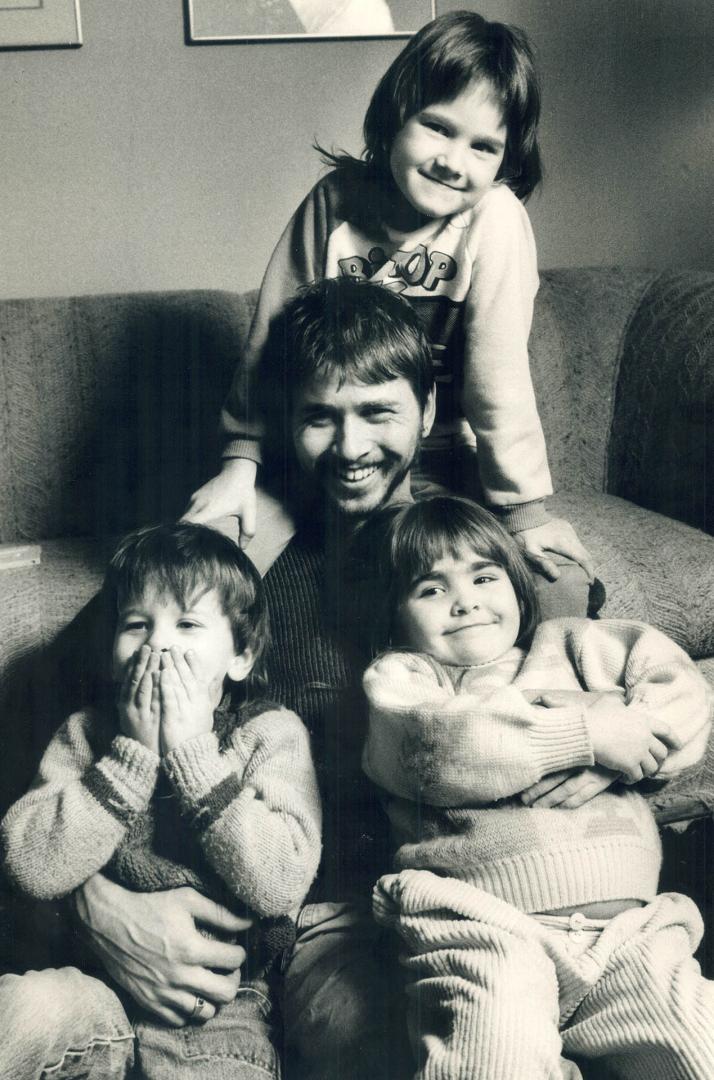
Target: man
[[361, 401]]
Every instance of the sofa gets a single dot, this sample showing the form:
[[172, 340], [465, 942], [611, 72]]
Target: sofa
[[108, 420]]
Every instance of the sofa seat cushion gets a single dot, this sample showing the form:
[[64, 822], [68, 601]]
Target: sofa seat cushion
[[654, 569]]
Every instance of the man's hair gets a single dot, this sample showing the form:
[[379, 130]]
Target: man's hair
[[340, 328], [438, 64], [184, 560], [405, 540]]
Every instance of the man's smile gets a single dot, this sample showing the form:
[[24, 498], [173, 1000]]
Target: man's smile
[[354, 474]]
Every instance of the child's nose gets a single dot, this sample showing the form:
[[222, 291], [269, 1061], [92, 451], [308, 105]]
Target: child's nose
[[159, 640], [464, 603], [451, 161]]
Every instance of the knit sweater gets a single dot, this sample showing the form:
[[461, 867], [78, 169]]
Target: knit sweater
[[472, 279], [313, 668], [238, 819], [454, 746]]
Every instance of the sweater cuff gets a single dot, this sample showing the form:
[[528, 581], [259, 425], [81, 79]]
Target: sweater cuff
[[132, 769], [194, 767], [522, 516], [561, 740], [243, 448]]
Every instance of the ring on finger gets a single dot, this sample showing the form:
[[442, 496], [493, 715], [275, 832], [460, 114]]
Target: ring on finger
[[198, 1007]]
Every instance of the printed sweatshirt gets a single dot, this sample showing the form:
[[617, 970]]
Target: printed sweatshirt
[[454, 746], [237, 819], [472, 279]]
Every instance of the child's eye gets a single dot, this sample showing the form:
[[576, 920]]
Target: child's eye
[[187, 624], [430, 590], [482, 579], [434, 125], [134, 625], [484, 148]]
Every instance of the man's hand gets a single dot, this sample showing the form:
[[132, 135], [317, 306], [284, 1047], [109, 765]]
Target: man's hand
[[150, 944], [568, 788], [185, 698], [230, 494], [557, 537], [138, 704]]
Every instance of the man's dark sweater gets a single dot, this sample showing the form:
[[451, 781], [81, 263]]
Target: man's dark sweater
[[314, 669]]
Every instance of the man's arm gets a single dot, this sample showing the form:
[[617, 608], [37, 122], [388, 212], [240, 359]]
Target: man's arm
[[150, 943]]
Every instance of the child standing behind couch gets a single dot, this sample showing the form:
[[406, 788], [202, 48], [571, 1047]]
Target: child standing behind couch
[[167, 786], [435, 212], [527, 863]]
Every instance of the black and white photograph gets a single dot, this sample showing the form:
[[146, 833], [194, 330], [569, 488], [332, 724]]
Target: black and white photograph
[[357, 540]]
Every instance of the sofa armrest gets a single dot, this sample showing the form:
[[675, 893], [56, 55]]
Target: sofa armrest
[[661, 453]]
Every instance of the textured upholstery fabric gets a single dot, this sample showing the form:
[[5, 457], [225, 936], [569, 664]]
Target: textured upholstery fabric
[[109, 407], [665, 402]]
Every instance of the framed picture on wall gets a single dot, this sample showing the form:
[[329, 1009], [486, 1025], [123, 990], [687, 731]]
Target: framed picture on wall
[[216, 21], [40, 24]]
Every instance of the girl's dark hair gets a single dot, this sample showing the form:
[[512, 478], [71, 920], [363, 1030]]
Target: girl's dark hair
[[183, 560], [403, 541], [438, 64]]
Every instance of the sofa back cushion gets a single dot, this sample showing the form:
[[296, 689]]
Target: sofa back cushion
[[111, 407]]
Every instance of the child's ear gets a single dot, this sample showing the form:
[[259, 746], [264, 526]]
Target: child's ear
[[427, 417], [241, 666]]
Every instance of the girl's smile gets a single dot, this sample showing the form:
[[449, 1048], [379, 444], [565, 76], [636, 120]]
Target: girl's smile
[[463, 611], [446, 157]]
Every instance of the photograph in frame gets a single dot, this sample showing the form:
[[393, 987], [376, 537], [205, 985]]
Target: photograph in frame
[[217, 21], [40, 24]]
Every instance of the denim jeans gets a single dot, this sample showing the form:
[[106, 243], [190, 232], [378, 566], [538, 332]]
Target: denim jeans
[[59, 1024], [344, 1007]]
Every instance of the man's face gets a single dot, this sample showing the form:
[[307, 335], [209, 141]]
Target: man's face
[[359, 440]]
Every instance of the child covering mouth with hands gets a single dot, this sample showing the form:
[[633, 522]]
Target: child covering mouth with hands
[[172, 785]]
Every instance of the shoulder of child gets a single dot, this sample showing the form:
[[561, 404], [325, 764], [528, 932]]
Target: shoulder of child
[[500, 205], [584, 637], [499, 227], [404, 676]]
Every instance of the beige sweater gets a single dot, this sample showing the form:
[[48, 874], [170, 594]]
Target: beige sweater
[[454, 747], [239, 820]]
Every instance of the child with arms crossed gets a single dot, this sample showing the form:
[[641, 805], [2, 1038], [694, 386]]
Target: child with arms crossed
[[527, 862], [168, 785], [433, 210]]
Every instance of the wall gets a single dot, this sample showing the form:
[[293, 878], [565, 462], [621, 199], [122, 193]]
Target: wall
[[136, 162]]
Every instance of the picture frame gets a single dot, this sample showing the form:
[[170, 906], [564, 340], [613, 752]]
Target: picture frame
[[214, 22], [40, 24]]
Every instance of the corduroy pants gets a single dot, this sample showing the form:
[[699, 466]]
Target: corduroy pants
[[495, 994]]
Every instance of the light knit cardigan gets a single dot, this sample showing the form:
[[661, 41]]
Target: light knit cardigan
[[454, 746], [237, 819]]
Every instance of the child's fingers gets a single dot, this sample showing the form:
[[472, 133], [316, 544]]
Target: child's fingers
[[183, 669], [663, 731], [168, 685], [541, 787], [144, 690], [133, 673]]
